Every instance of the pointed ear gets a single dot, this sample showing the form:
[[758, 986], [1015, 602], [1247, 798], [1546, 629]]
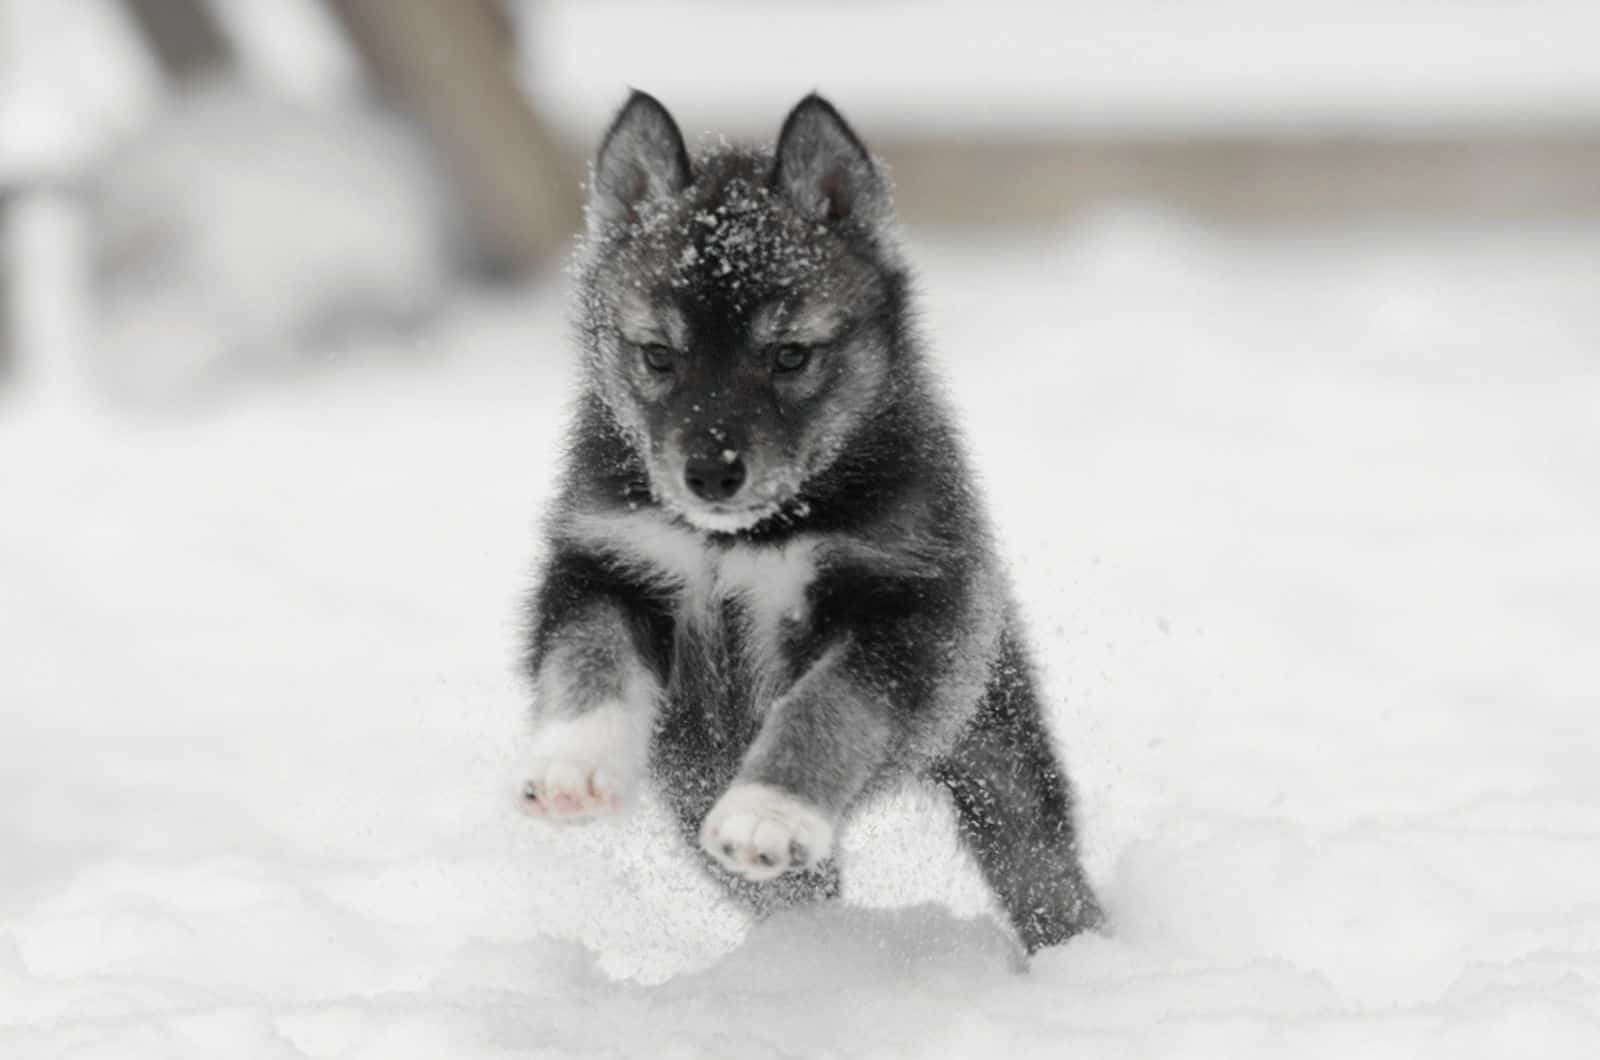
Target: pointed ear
[[641, 158], [824, 169]]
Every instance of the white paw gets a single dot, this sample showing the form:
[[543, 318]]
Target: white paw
[[583, 767], [760, 832]]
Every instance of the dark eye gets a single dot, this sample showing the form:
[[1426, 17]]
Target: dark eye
[[790, 357], [657, 356]]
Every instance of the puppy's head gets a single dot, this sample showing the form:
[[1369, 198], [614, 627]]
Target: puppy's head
[[739, 309]]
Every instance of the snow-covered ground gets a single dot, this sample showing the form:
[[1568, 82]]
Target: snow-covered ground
[[1305, 522]]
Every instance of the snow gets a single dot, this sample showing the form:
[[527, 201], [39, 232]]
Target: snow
[[1303, 520], [72, 78], [244, 231]]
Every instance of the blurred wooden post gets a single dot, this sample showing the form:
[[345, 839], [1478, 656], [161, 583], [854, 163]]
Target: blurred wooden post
[[45, 260], [184, 36], [452, 66], [8, 337]]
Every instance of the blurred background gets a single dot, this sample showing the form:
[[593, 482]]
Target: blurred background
[[195, 189], [1276, 331]]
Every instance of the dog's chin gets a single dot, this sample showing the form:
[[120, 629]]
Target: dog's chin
[[721, 520]]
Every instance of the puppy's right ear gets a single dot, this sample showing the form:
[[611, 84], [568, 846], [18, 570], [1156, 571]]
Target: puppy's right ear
[[642, 158]]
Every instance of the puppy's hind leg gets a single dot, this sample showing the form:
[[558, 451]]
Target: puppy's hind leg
[[1014, 810]]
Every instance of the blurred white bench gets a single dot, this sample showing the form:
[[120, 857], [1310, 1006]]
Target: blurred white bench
[[1017, 113], [1106, 67]]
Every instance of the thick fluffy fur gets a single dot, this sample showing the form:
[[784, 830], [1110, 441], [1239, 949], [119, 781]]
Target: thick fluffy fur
[[825, 614]]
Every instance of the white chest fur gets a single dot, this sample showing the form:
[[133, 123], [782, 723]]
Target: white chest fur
[[767, 582]]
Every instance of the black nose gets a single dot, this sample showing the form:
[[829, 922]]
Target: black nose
[[715, 477]]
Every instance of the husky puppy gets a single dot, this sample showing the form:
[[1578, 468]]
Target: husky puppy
[[769, 584]]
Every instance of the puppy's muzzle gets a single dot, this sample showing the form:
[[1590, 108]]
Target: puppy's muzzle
[[715, 477]]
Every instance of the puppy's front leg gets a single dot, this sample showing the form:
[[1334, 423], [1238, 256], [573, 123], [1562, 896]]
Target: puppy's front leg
[[595, 703], [817, 748]]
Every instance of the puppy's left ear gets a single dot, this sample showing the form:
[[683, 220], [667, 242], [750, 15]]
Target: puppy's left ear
[[825, 170]]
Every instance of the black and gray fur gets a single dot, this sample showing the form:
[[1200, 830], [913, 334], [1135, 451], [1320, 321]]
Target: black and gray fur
[[768, 554]]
